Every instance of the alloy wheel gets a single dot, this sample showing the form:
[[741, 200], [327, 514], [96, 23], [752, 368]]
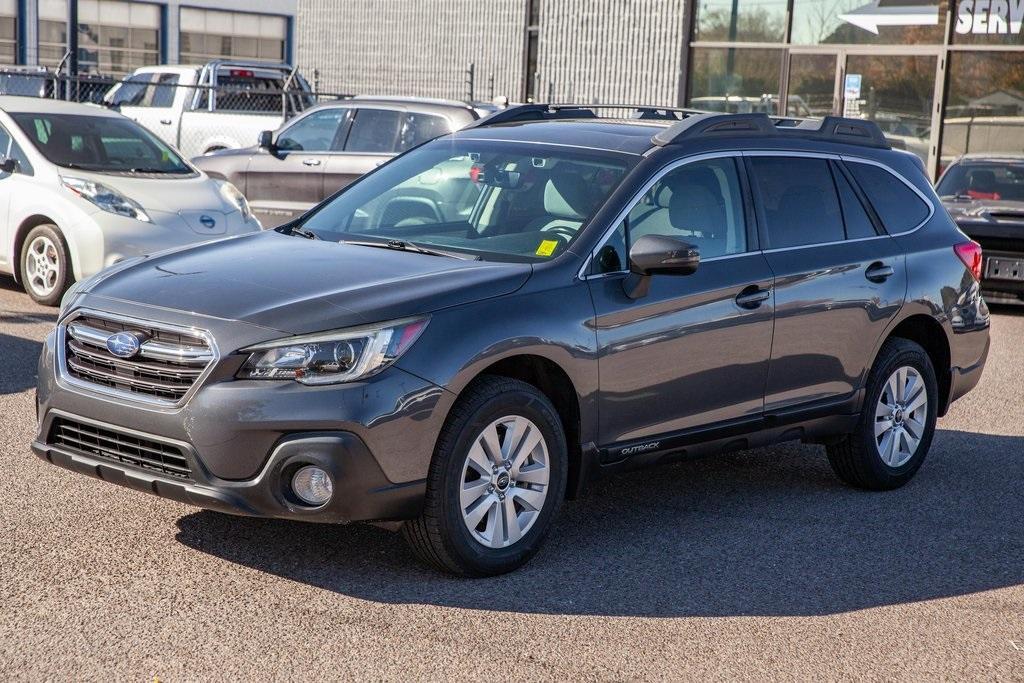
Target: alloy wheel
[[42, 266], [504, 481], [901, 416]]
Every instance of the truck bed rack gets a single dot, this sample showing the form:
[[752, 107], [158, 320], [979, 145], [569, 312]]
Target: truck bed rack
[[690, 124]]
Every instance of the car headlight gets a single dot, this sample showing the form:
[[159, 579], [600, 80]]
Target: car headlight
[[106, 198], [333, 357], [235, 198]]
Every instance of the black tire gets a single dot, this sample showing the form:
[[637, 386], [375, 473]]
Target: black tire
[[439, 536], [856, 458], [63, 279]]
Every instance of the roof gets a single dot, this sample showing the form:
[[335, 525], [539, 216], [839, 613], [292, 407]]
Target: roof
[[990, 156], [15, 104], [615, 135], [420, 105]]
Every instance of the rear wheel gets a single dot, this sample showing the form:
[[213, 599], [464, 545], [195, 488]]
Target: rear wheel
[[495, 482], [897, 422], [45, 265]]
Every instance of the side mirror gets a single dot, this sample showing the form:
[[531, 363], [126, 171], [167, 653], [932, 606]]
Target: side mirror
[[658, 255], [266, 140], [8, 165]]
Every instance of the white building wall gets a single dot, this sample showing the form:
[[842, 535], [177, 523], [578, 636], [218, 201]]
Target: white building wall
[[413, 47]]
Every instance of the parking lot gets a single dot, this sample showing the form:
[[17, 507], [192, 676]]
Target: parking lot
[[753, 565]]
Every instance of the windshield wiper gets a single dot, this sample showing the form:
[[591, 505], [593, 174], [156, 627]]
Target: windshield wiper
[[300, 231], [400, 245], [156, 170]]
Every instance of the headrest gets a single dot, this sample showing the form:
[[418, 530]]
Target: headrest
[[567, 194], [982, 179]]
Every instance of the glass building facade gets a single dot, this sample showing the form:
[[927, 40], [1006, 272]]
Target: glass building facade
[[940, 79]]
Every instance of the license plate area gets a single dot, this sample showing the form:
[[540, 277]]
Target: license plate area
[[1004, 269]]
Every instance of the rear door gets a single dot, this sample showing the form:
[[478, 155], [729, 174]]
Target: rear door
[[692, 353], [283, 184], [839, 279]]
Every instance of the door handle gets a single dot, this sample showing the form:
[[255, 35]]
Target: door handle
[[310, 162], [879, 272], [752, 297], [166, 122]]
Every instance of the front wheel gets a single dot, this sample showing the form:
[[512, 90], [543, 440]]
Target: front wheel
[[897, 422], [496, 481], [45, 265]]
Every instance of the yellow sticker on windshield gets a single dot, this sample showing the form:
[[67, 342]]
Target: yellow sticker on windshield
[[547, 247]]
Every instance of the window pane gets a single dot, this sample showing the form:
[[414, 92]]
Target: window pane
[[858, 223], [164, 91], [419, 128], [799, 201], [984, 104], [859, 22], [314, 133], [735, 80], [374, 131], [699, 203], [812, 81], [612, 256], [899, 207], [752, 21], [996, 180]]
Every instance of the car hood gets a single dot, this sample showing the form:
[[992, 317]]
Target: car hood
[[167, 193], [296, 285]]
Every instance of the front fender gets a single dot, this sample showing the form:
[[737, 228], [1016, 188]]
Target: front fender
[[460, 343]]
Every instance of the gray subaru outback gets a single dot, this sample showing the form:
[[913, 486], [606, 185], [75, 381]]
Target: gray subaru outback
[[466, 336]]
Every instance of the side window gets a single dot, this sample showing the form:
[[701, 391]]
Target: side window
[[899, 207], [855, 216], [132, 91], [799, 201], [612, 256], [374, 131], [163, 89], [314, 133], [417, 128], [700, 203]]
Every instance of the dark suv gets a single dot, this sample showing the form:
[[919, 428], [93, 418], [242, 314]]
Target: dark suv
[[465, 336]]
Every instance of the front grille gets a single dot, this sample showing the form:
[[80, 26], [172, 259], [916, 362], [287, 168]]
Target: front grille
[[166, 366], [114, 445]]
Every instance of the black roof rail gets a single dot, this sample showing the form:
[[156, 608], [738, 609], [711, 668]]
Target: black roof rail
[[548, 112], [830, 128]]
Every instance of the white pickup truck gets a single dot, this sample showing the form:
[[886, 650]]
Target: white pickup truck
[[219, 105]]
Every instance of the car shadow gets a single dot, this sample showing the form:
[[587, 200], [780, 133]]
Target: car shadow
[[765, 532], [20, 354]]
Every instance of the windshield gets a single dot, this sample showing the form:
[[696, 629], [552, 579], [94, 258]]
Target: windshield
[[99, 143], [500, 201], [995, 181]]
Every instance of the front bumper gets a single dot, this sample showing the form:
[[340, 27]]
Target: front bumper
[[361, 491], [242, 438]]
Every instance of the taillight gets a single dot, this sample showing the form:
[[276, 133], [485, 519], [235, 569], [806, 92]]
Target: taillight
[[970, 254]]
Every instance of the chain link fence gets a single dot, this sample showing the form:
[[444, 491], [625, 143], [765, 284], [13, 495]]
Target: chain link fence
[[197, 119]]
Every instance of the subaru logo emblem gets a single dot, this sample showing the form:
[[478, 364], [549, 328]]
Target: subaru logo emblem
[[208, 221], [124, 344]]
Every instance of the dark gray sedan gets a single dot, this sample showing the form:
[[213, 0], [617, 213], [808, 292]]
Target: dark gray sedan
[[327, 147]]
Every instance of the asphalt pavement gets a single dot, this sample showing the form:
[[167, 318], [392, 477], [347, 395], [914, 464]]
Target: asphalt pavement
[[756, 565]]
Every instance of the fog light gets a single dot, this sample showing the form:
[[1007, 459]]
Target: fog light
[[312, 485]]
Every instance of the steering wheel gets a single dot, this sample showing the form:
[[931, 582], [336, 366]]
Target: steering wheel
[[563, 231]]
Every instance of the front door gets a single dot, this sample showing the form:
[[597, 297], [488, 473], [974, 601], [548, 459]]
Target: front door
[[896, 91], [693, 352], [283, 183]]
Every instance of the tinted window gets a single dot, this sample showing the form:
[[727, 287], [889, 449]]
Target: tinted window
[[314, 133], [899, 207], [611, 257], [374, 131], [799, 201], [700, 203], [984, 180], [855, 216], [419, 128]]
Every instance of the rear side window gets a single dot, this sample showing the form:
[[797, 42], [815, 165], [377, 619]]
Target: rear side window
[[417, 128], [799, 201], [899, 207], [374, 131]]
